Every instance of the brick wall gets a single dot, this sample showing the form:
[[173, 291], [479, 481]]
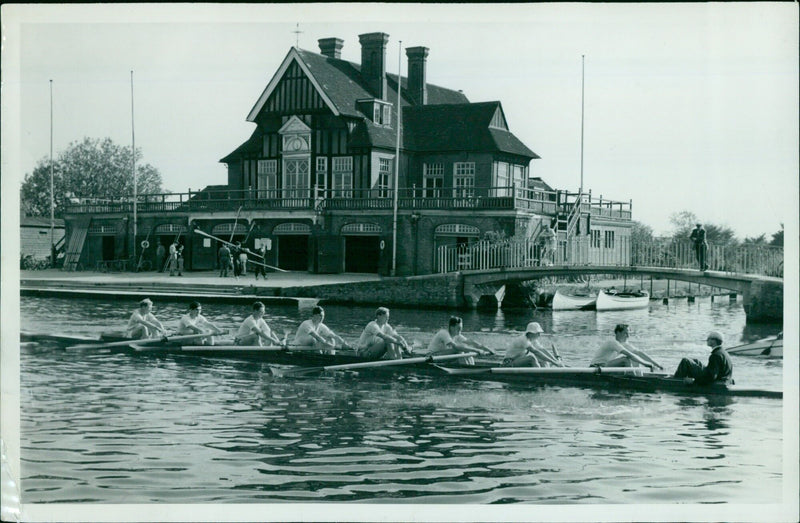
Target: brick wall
[[35, 241], [419, 291]]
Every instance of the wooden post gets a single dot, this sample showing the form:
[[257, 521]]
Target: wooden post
[[651, 285], [666, 298]]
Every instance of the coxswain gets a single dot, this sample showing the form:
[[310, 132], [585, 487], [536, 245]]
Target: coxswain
[[143, 324], [718, 370]]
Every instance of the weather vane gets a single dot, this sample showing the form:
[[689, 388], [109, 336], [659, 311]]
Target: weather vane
[[297, 33]]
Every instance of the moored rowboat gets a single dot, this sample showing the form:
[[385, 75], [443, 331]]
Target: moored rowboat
[[771, 347], [566, 302], [611, 300]]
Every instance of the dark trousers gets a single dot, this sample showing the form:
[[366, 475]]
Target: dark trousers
[[689, 368], [700, 250]]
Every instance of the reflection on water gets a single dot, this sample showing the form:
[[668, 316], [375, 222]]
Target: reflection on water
[[109, 427]]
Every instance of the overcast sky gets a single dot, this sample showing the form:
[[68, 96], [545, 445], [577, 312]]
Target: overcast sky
[[687, 107]]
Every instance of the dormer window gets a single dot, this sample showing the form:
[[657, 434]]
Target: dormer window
[[378, 111]]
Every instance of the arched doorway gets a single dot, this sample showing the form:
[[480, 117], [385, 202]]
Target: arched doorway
[[291, 244], [362, 251], [455, 234]]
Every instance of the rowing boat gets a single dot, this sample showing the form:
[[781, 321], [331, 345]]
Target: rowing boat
[[569, 302], [771, 347], [615, 378], [611, 300]]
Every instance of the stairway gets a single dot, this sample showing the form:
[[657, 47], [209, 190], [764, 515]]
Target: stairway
[[77, 238]]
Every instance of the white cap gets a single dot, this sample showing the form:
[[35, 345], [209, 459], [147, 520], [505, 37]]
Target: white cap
[[534, 328]]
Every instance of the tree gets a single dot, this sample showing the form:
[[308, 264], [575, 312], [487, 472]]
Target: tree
[[683, 222], [92, 168], [641, 233], [756, 240], [777, 238]]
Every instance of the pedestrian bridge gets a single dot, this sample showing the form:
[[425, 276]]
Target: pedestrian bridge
[[754, 271]]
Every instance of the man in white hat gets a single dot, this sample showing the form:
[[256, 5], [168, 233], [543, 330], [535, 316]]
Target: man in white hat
[[142, 323], [620, 353], [718, 370], [527, 351]]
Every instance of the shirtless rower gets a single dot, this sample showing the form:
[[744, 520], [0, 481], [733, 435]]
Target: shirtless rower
[[143, 324], [314, 333], [451, 341], [380, 340], [194, 322], [527, 350], [620, 353], [254, 329]]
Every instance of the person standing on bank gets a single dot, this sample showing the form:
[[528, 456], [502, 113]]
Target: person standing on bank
[[180, 259], [718, 370], [620, 353], [254, 329], [380, 340], [451, 341], [527, 350], [224, 261], [698, 236], [142, 323], [237, 264], [260, 268], [173, 257], [161, 254], [195, 323]]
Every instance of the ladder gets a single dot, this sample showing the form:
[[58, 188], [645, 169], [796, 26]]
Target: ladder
[[77, 238]]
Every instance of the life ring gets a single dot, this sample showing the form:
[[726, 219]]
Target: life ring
[[145, 244]]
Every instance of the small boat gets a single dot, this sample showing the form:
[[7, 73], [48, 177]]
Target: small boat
[[582, 300], [613, 300], [771, 347]]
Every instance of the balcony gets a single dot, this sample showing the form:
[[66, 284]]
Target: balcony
[[454, 199]]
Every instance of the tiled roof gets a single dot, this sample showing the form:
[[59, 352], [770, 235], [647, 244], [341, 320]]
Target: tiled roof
[[459, 127], [40, 221], [251, 146]]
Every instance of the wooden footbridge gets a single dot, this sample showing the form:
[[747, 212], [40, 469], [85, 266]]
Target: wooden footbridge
[[754, 271]]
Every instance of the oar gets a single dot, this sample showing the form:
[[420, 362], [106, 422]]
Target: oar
[[547, 370], [146, 341], [201, 233], [373, 364]]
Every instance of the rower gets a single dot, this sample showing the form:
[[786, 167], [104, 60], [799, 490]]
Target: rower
[[380, 340], [451, 341], [527, 350], [254, 329], [143, 324], [718, 370], [195, 323], [314, 333], [620, 353]]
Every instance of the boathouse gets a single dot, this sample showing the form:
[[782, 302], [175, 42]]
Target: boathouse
[[314, 182]]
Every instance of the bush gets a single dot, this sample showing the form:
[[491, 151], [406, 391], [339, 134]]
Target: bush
[[29, 263]]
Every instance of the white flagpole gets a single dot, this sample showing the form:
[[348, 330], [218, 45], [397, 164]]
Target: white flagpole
[[582, 104], [396, 162], [133, 168], [52, 191]]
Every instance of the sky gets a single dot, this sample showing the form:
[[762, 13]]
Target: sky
[[689, 107]]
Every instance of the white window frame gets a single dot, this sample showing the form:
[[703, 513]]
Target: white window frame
[[267, 179], [501, 179], [384, 185], [296, 184], [464, 179], [322, 176], [432, 179], [342, 179]]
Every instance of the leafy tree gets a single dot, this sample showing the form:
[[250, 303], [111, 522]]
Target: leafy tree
[[777, 238], [92, 168], [641, 233], [756, 240], [683, 222]]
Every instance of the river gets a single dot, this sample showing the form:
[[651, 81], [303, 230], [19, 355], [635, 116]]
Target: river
[[113, 428]]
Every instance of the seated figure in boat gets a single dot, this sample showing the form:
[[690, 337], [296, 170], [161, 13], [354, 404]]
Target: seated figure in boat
[[254, 330], [527, 350], [143, 324], [314, 333], [718, 370], [451, 341], [620, 353], [380, 341], [194, 322]]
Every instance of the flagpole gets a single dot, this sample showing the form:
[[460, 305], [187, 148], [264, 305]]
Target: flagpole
[[133, 168], [582, 105], [52, 191], [396, 162]]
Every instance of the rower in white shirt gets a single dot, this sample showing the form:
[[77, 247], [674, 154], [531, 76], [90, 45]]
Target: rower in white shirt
[[380, 340], [143, 324], [451, 341], [254, 330], [194, 322], [620, 353], [527, 350], [314, 333]]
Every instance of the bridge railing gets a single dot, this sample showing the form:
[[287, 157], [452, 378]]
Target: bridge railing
[[609, 251]]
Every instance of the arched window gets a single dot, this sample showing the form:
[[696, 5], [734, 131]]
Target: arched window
[[457, 229], [227, 228], [291, 228], [361, 229]]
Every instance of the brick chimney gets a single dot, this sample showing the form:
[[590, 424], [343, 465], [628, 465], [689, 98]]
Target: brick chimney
[[331, 47], [417, 75], [373, 62]]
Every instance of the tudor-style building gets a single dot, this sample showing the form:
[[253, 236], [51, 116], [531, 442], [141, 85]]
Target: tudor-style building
[[315, 180]]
